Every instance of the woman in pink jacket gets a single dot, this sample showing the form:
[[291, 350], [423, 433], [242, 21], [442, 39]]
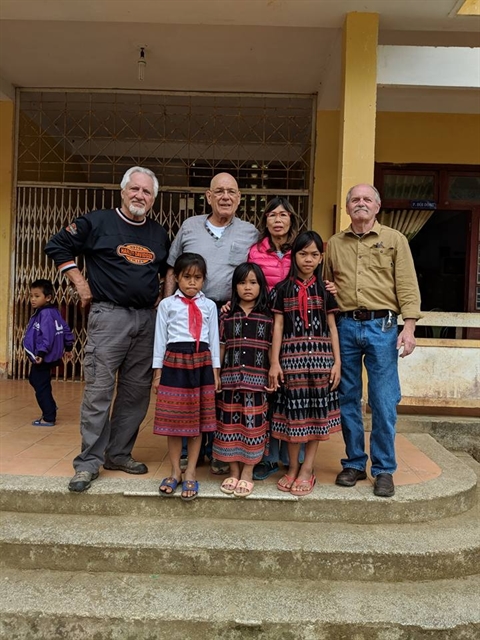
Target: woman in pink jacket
[[272, 251]]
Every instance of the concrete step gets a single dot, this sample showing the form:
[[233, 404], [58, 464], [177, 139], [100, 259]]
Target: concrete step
[[213, 547], [122, 564], [460, 433], [451, 493], [41, 605]]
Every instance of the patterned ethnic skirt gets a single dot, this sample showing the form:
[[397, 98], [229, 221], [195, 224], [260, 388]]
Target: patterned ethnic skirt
[[305, 406], [186, 394], [242, 426]]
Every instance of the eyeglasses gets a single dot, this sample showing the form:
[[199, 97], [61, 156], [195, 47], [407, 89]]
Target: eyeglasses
[[273, 216], [218, 193]]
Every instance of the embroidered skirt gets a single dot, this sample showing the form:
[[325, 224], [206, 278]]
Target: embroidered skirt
[[186, 393], [305, 408], [242, 426]]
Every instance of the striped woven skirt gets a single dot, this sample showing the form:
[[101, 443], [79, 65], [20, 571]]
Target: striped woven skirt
[[305, 408], [242, 426], [186, 393]]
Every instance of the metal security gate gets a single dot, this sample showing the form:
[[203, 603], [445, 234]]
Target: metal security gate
[[74, 147]]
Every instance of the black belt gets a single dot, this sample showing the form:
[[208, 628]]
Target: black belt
[[364, 314]]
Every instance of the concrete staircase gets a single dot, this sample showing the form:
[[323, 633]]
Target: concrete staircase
[[458, 433], [122, 563]]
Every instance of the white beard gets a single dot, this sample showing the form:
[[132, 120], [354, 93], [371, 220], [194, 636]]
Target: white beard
[[138, 212]]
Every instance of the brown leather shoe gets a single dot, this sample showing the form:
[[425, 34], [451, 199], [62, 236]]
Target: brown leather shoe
[[349, 477], [384, 487]]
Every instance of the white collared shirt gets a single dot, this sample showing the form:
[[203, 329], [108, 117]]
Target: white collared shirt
[[172, 326]]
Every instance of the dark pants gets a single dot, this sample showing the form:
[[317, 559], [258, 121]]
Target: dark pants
[[206, 448], [41, 380]]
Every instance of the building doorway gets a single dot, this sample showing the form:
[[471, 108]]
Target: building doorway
[[439, 251], [446, 243]]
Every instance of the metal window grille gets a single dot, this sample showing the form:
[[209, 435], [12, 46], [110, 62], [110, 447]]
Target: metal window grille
[[265, 141]]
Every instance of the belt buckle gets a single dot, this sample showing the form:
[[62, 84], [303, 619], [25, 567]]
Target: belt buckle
[[359, 315]]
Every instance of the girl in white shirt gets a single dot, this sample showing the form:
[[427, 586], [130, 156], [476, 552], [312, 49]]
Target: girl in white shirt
[[186, 362]]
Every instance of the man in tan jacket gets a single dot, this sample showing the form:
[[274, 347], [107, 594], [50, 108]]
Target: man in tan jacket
[[373, 270]]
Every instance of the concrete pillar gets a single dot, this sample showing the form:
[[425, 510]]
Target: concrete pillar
[[358, 107], [325, 184], [7, 117]]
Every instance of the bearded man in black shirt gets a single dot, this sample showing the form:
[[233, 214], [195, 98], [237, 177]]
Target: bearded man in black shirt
[[125, 252]]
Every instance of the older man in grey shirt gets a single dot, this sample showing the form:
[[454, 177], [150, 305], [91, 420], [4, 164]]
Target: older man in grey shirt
[[221, 238], [224, 241]]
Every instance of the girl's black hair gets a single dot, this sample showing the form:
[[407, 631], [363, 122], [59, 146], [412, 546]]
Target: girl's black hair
[[279, 201], [239, 275], [187, 260], [303, 240]]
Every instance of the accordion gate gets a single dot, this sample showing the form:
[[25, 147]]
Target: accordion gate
[[73, 148]]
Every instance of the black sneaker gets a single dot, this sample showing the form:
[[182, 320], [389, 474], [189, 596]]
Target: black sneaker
[[349, 477], [129, 466], [263, 470], [219, 468], [383, 486], [81, 481]]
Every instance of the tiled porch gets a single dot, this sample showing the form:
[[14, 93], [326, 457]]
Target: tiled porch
[[48, 451]]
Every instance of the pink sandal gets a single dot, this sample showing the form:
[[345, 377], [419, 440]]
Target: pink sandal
[[303, 487], [229, 485], [243, 484], [288, 484]]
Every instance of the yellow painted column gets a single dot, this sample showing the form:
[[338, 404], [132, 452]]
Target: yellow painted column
[[325, 171], [7, 112], [358, 108]]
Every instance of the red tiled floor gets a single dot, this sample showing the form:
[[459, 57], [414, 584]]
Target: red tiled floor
[[48, 451]]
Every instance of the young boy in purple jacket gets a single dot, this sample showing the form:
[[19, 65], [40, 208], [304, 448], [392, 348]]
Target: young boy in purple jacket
[[46, 339]]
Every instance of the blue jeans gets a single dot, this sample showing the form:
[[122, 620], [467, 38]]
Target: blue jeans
[[278, 452], [374, 343]]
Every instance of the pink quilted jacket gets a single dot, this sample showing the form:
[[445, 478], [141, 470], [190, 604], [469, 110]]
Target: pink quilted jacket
[[274, 268]]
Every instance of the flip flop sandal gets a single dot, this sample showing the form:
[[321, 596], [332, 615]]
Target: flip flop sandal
[[243, 484], [286, 487], [228, 486], [296, 489], [189, 485], [169, 482]]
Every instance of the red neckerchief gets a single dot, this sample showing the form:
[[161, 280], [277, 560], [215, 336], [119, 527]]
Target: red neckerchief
[[195, 319], [303, 299]]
